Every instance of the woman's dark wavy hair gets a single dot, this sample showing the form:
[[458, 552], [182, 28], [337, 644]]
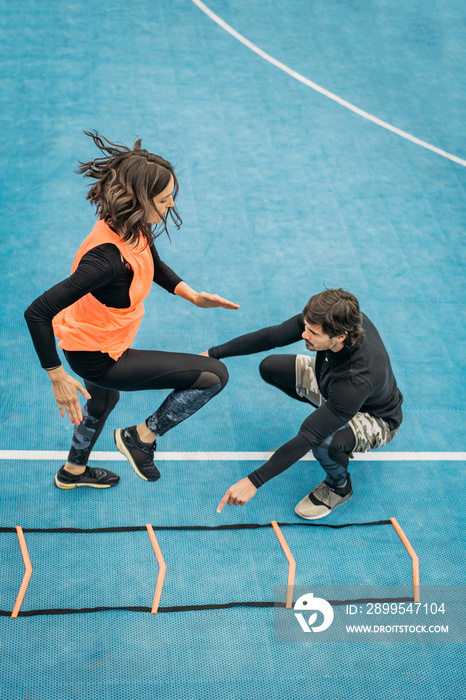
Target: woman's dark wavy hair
[[126, 183], [338, 313]]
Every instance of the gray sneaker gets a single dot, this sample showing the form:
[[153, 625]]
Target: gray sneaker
[[323, 500]]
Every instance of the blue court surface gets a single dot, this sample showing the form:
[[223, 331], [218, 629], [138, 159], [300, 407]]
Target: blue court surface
[[284, 189]]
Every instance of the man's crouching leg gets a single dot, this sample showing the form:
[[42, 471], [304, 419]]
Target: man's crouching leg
[[333, 456]]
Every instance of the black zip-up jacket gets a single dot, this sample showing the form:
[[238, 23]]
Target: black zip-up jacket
[[351, 380]]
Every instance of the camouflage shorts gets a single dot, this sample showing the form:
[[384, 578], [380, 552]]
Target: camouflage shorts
[[370, 432]]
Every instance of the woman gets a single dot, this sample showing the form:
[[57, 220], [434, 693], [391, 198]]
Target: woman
[[96, 313]]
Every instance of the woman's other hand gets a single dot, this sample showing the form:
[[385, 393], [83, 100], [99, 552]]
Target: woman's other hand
[[65, 389]]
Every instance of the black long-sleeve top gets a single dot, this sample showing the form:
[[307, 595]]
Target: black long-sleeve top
[[101, 271], [351, 380]]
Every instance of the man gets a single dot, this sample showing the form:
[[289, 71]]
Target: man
[[350, 382]]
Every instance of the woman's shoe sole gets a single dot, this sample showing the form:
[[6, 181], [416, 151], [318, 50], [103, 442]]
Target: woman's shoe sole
[[64, 486], [121, 447]]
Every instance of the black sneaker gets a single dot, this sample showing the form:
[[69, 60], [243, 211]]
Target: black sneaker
[[139, 454], [95, 477]]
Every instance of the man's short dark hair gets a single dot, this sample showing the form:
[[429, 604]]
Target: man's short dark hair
[[338, 313]]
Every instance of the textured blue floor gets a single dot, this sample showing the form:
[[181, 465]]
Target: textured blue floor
[[282, 192]]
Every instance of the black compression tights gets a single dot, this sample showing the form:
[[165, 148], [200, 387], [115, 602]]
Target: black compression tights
[[194, 378], [280, 371]]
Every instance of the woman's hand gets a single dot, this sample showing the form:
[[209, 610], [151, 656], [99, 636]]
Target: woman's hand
[[210, 301], [238, 494], [65, 389], [202, 299]]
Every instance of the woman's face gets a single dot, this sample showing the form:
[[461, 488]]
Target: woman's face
[[162, 203]]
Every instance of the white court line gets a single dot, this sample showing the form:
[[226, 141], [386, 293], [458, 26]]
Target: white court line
[[323, 91], [41, 455]]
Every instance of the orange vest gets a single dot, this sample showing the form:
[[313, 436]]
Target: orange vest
[[89, 325]]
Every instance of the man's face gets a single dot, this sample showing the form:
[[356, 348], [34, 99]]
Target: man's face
[[317, 340]]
